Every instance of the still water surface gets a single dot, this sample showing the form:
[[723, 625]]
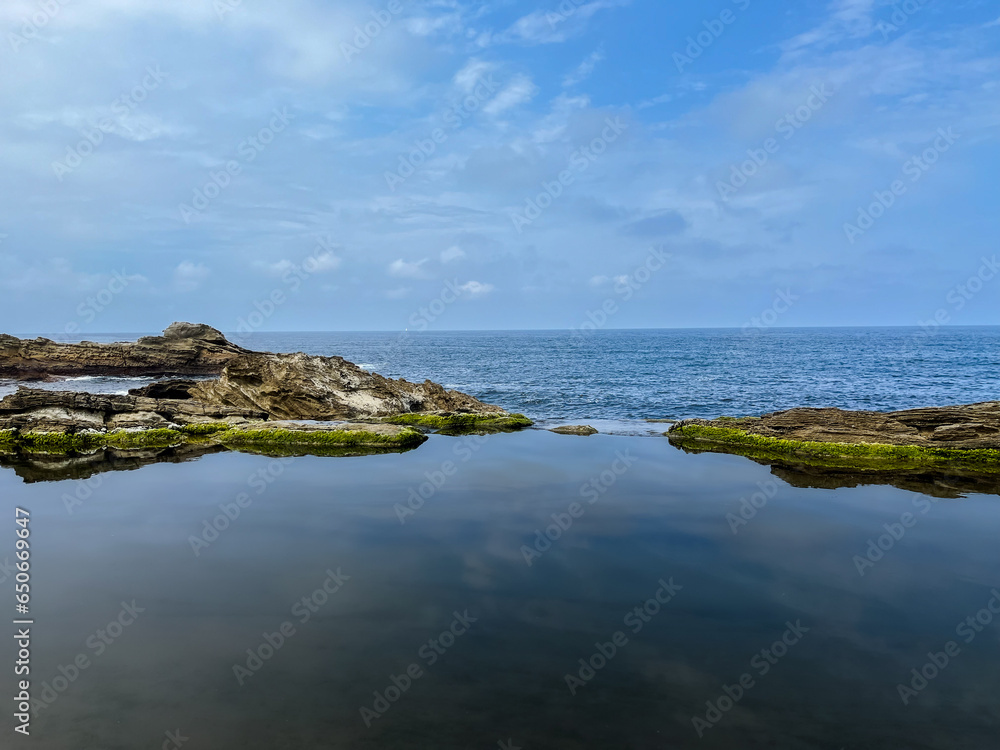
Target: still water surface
[[658, 515]]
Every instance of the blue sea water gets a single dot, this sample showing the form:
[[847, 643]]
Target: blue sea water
[[621, 378]]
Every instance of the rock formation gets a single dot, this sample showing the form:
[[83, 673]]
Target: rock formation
[[183, 349], [946, 440], [300, 386], [976, 426], [260, 401]]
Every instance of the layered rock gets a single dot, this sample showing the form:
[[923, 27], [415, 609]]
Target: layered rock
[[301, 386], [59, 422], [70, 412], [950, 440], [972, 427], [274, 403], [183, 349]]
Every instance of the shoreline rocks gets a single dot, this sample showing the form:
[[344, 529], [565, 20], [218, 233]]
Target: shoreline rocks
[[260, 401], [958, 437]]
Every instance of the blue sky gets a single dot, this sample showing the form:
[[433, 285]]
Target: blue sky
[[449, 164]]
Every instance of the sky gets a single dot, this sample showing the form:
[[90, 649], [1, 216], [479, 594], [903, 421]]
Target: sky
[[454, 164]]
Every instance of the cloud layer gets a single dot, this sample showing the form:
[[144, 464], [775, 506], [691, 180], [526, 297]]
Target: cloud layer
[[214, 152]]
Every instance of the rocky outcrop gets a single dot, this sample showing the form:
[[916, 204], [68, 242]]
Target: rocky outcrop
[[300, 386], [976, 426], [277, 386], [183, 349], [37, 422], [966, 437], [272, 403]]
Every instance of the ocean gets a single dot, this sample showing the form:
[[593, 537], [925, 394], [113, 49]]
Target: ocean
[[529, 590], [618, 379]]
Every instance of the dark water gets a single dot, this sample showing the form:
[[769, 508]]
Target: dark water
[[660, 514], [630, 376]]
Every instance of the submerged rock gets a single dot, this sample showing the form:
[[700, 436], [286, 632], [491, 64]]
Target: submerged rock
[[584, 430]]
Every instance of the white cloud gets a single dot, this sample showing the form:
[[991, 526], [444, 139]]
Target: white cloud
[[278, 268], [584, 69], [135, 126], [469, 77], [475, 289], [451, 254], [322, 263], [404, 270], [325, 261], [656, 100], [519, 91], [189, 276], [554, 26], [849, 19]]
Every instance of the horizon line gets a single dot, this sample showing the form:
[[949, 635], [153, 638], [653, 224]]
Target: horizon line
[[586, 331]]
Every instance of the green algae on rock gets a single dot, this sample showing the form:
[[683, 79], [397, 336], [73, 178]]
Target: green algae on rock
[[346, 436], [959, 437], [462, 423], [83, 442], [301, 438]]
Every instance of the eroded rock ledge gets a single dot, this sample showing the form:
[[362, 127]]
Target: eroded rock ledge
[[183, 349], [260, 401], [958, 437]]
